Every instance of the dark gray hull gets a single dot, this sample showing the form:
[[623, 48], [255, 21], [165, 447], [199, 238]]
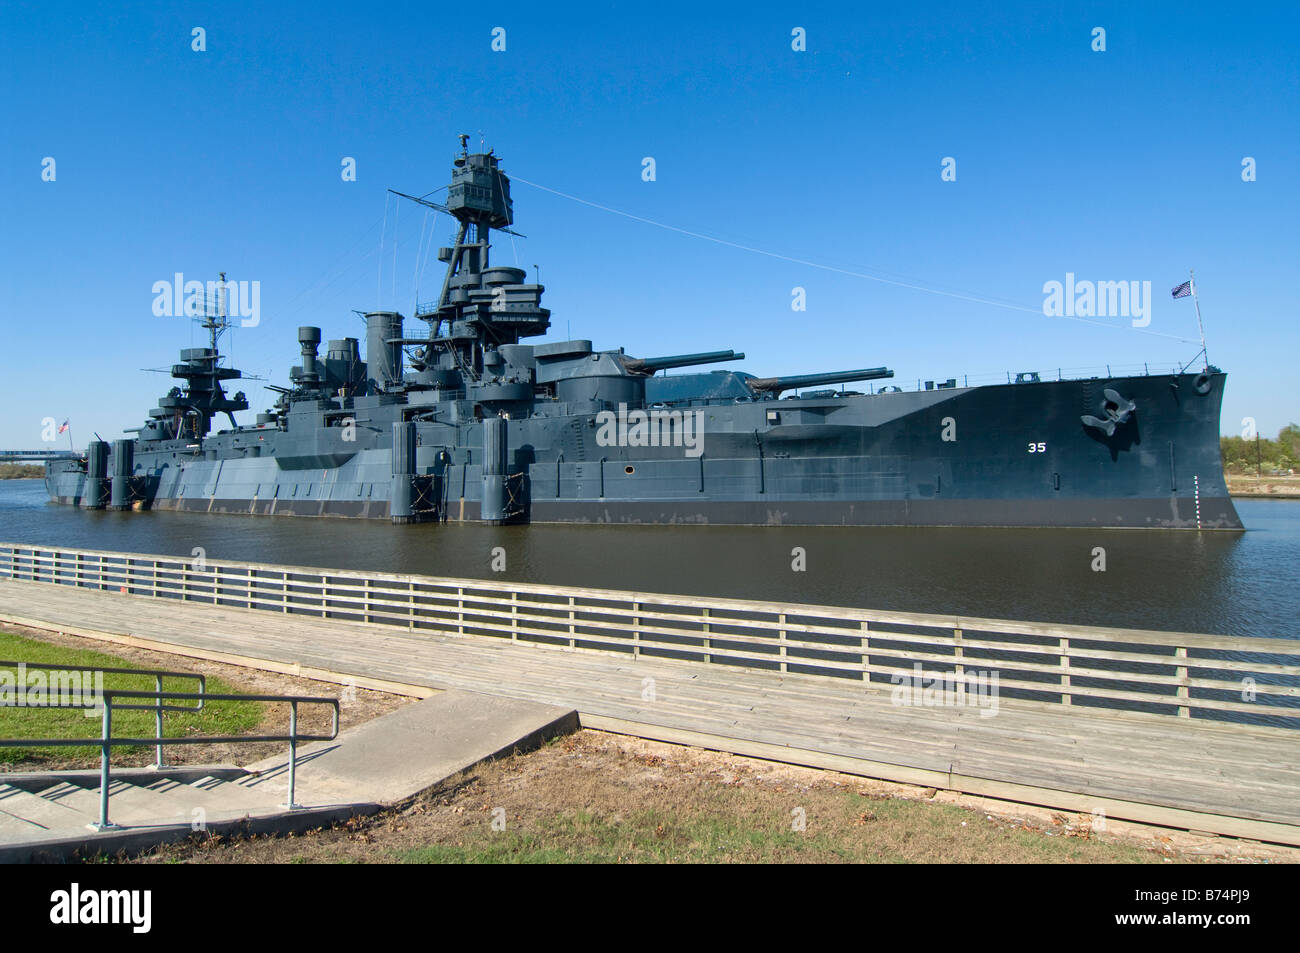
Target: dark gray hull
[[869, 460]]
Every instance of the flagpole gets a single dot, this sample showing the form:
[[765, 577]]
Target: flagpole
[[1200, 324], [70, 446]]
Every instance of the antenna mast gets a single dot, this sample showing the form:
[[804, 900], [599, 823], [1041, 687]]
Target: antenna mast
[[1199, 323]]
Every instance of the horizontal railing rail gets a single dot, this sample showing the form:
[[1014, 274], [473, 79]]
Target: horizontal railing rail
[[1224, 678], [157, 674], [106, 742]]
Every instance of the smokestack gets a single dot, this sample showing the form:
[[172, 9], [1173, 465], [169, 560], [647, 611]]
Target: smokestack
[[383, 360]]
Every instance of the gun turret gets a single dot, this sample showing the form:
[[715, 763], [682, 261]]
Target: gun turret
[[649, 365], [774, 385]]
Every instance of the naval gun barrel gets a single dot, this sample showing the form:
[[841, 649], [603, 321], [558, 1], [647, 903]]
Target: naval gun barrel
[[775, 385], [648, 365]]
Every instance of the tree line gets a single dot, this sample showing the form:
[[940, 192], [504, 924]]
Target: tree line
[[1267, 456]]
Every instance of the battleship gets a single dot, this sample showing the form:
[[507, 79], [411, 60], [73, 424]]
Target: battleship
[[464, 422]]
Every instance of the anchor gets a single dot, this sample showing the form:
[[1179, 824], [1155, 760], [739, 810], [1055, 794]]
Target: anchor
[[1117, 408]]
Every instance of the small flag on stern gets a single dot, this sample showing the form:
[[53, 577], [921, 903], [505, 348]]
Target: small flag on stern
[[1183, 290], [65, 425]]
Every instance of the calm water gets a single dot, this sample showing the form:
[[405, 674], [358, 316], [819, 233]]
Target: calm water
[[1240, 584]]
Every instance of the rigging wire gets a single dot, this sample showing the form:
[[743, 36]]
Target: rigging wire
[[843, 271], [419, 252], [513, 250], [379, 280]]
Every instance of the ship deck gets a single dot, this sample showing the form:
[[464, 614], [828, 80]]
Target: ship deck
[[1230, 780]]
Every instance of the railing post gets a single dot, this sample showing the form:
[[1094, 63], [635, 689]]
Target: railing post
[[293, 753], [866, 648], [460, 610], [104, 749], [958, 669], [1066, 697], [573, 641], [157, 719], [365, 616], [1184, 711], [708, 642], [514, 616], [781, 640], [636, 630]]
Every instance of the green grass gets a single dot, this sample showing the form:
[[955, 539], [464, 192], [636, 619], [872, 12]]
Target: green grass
[[216, 718]]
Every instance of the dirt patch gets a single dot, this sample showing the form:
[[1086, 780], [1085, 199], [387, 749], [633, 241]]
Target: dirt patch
[[598, 797], [1276, 487], [357, 706]]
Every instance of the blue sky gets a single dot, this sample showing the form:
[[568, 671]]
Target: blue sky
[[1115, 165]]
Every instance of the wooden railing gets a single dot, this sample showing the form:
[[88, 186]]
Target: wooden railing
[[1226, 678]]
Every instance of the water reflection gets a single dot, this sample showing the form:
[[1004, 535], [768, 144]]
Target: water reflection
[[1242, 584]]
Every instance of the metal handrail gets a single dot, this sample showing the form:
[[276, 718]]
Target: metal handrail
[[158, 676], [106, 742]]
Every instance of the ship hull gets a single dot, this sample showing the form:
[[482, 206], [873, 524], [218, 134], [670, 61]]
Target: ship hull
[[1006, 455]]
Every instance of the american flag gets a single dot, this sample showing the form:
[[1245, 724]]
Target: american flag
[[1183, 290], [65, 425]]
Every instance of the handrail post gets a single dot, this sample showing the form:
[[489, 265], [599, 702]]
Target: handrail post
[[293, 753], [158, 718], [706, 628], [104, 749], [781, 641]]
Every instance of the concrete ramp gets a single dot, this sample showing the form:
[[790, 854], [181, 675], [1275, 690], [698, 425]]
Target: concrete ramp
[[395, 757], [367, 768]]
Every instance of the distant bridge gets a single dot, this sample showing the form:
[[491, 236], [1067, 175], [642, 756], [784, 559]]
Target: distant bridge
[[35, 456]]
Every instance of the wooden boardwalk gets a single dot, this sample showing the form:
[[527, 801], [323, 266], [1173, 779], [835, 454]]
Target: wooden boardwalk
[[1226, 779]]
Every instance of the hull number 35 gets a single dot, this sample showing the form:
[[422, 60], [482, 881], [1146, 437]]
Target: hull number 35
[[1038, 448]]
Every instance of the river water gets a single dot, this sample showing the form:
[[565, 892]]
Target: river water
[[1225, 583]]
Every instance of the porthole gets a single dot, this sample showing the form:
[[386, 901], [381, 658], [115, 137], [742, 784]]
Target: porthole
[[629, 470]]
